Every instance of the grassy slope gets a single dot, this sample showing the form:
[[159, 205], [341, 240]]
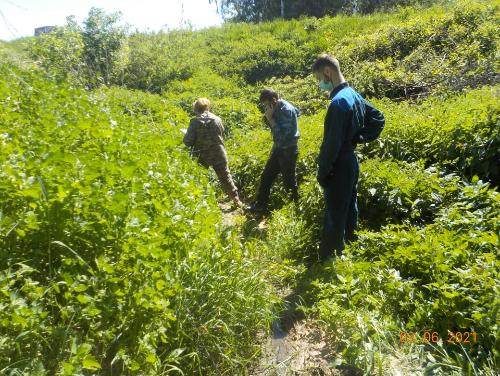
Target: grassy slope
[[230, 65], [457, 133]]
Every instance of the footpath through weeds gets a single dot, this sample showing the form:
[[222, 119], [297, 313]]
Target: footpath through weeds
[[295, 344]]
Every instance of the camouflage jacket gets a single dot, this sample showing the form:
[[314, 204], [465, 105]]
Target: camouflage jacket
[[204, 138]]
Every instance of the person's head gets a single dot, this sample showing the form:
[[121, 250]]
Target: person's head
[[201, 105], [268, 97], [326, 69]]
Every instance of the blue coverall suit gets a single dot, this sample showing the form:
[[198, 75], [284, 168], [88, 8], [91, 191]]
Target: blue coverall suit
[[350, 120]]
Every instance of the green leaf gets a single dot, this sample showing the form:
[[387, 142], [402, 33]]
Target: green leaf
[[84, 299], [151, 358], [89, 362]]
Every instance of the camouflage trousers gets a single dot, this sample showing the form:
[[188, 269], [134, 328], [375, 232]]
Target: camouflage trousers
[[226, 180], [218, 161]]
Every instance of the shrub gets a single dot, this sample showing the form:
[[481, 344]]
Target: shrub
[[427, 53], [103, 41], [60, 53], [459, 133], [156, 59]]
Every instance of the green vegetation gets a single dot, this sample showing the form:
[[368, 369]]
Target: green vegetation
[[115, 255], [109, 242], [440, 278], [460, 133]]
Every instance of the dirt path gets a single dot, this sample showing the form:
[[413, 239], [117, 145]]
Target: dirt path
[[301, 351], [228, 214], [296, 345]]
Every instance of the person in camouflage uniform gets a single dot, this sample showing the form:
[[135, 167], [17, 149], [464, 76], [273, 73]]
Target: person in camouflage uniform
[[204, 138]]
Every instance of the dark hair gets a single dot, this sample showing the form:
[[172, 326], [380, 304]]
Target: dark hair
[[268, 95], [325, 60]]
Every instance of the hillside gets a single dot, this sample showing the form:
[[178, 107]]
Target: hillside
[[120, 255]]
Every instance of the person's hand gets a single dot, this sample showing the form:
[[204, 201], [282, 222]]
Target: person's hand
[[269, 113]]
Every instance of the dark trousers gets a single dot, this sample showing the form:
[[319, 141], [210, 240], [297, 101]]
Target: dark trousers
[[341, 209], [280, 160]]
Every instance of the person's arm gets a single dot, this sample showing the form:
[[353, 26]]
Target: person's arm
[[190, 136], [335, 124], [373, 124], [266, 122], [269, 117], [220, 128]]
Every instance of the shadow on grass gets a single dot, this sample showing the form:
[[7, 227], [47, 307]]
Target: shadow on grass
[[295, 301]]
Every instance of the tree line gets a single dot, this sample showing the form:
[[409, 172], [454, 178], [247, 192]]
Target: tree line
[[264, 10]]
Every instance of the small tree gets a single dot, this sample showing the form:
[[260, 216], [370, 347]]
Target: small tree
[[60, 52], [93, 55], [103, 40]]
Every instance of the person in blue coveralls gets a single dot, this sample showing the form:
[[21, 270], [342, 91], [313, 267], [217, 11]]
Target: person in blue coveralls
[[349, 120], [281, 117]]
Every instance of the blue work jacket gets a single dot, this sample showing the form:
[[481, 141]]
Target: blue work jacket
[[350, 120]]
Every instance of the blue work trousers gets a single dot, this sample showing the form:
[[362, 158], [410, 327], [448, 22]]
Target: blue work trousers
[[341, 209]]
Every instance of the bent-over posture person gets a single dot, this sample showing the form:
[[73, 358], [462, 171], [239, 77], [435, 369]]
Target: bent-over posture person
[[281, 117], [205, 139], [350, 120]]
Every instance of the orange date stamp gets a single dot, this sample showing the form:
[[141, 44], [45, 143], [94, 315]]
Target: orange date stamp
[[432, 336]]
